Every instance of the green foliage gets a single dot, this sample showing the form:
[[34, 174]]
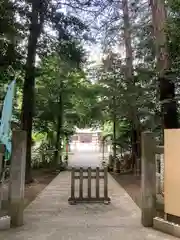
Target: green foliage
[[62, 79], [58, 72], [62, 86]]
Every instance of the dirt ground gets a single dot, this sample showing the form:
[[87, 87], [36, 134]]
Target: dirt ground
[[131, 184], [41, 178]]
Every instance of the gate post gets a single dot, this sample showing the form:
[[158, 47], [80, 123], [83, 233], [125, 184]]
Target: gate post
[[148, 179], [17, 177]]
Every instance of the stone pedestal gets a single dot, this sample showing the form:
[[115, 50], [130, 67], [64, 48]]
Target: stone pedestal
[[5, 223]]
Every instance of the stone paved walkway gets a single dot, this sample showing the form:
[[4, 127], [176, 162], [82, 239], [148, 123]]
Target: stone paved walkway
[[50, 217]]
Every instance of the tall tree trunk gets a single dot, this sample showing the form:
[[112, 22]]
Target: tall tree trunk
[[58, 145], [67, 147], [108, 62], [127, 41], [114, 126], [136, 145], [130, 77], [37, 20], [166, 85]]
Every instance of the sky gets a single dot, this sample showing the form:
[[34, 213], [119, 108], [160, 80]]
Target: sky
[[95, 53], [94, 50]]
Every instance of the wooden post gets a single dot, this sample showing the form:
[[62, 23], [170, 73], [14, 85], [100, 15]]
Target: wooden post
[[97, 182], [81, 183], [89, 182], [72, 183], [17, 177], [105, 183], [148, 180]]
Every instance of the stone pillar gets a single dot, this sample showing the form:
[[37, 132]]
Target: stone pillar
[[148, 180], [17, 177]]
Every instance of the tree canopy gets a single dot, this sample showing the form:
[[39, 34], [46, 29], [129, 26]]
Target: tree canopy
[[48, 45]]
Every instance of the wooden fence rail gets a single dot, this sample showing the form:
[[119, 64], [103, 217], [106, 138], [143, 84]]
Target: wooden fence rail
[[89, 174]]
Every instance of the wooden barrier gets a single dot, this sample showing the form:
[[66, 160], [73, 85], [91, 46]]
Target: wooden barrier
[[88, 175]]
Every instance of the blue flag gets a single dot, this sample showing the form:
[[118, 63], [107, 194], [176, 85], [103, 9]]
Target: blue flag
[[6, 115]]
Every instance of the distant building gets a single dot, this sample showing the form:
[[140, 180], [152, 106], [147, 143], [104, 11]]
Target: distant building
[[86, 137]]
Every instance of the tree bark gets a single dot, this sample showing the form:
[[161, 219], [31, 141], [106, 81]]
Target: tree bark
[[58, 145], [37, 20], [108, 62], [114, 127], [136, 145], [129, 75], [58, 135], [127, 41], [166, 85], [67, 147]]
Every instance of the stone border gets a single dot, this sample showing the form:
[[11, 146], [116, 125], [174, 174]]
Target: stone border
[[166, 227], [5, 223]]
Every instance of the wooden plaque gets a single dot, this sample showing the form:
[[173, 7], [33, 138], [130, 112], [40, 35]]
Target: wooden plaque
[[172, 171]]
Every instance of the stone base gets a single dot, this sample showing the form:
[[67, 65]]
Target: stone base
[[16, 211], [5, 223], [74, 201], [166, 227]]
